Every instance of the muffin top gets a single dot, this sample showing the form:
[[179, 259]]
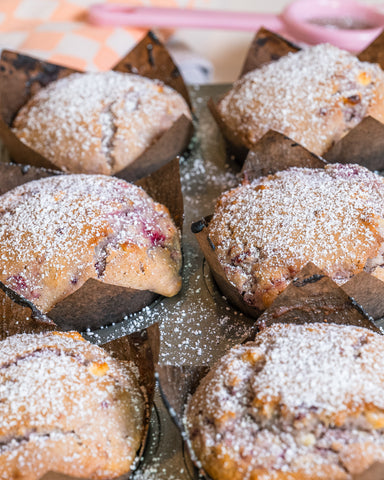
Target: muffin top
[[266, 231], [301, 400], [313, 96], [67, 406], [59, 231], [98, 122]]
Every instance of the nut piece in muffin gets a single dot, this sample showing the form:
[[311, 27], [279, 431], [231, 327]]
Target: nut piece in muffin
[[264, 232], [98, 122], [57, 232], [300, 402], [68, 407], [314, 96]]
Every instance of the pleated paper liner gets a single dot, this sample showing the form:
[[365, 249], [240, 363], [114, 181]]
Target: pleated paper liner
[[12, 175], [22, 76], [273, 152], [363, 144], [311, 298], [95, 303], [141, 348]]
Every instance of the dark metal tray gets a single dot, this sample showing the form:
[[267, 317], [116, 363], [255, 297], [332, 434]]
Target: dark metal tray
[[197, 326]]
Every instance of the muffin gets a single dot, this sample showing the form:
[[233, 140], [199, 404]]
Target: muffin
[[57, 232], [66, 406], [98, 122], [264, 232], [300, 402], [314, 96]]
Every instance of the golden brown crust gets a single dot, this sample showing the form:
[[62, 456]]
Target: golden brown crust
[[314, 96], [266, 231], [58, 232], [98, 122], [301, 402], [66, 407]]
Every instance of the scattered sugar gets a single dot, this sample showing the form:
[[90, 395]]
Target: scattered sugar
[[199, 312], [156, 471]]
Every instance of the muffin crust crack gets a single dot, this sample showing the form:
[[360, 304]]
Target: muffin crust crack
[[109, 129], [12, 443]]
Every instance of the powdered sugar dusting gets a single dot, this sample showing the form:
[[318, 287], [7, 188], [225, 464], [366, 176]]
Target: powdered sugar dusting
[[338, 368], [80, 409], [59, 231], [266, 231], [98, 122], [198, 312], [301, 398], [314, 96]]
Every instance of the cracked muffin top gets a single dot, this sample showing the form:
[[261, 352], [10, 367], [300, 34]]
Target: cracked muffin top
[[313, 96], [68, 407], [302, 402], [266, 231], [57, 232], [98, 122]]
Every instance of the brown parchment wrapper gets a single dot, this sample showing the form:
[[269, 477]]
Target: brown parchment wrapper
[[311, 298], [177, 383], [151, 59], [266, 47], [22, 76], [363, 144], [12, 175], [231, 293], [367, 291], [95, 303], [141, 348], [374, 52], [272, 153]]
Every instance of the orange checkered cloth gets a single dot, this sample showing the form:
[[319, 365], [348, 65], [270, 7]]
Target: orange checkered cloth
[[58, 31]]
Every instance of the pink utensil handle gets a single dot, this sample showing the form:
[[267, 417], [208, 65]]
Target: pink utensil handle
[[116, 14]]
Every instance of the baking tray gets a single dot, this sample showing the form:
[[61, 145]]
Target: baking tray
[[197, 326]]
